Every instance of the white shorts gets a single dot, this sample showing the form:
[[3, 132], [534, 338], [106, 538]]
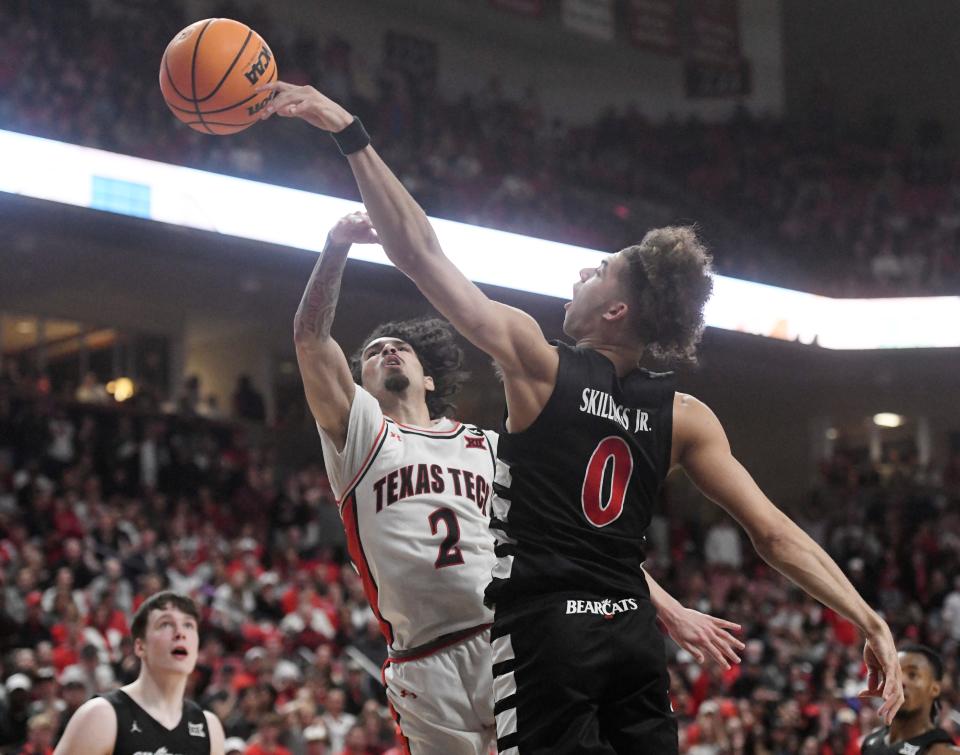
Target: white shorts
[[444, 701]]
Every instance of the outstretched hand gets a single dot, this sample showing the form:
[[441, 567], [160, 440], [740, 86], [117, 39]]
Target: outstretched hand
[[884, 678], [705, 636], [292, 101], [354, 228]]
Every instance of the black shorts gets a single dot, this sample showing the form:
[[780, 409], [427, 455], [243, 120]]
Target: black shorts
[[577, 674]]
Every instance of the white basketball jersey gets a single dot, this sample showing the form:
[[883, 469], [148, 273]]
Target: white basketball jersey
[[415, 506]]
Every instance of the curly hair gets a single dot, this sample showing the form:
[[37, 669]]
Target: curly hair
[[435, 345], [669, 284]]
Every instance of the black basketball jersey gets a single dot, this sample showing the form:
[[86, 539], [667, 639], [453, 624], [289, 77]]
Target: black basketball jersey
[[574, 492], [138, 733], [874, 743]]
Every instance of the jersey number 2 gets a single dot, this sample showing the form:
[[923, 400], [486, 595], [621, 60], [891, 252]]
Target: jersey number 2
[[611, 460], [449, 554]]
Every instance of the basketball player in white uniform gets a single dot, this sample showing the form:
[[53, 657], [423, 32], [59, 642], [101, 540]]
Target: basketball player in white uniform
[[414, 492]]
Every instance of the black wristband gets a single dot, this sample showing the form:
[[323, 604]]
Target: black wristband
[[351, 139]]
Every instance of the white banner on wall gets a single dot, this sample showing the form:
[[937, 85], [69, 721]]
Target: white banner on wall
[[593, 18], [85, 177]]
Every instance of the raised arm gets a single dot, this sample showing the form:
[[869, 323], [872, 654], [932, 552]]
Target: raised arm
[[327, 381], [700, 446], [701, 635], [510, 336]]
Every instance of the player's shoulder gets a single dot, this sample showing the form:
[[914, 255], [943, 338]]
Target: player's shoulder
[[874, 741], [363, 400], [92, 729], [691, 410], [97, 710], [694, 426], [217, 735], [477, 430], [942, 748]]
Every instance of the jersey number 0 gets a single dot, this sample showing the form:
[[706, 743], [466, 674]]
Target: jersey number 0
[[611, 461]]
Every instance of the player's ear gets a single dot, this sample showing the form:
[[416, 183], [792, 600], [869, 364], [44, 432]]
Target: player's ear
[[935, 689], [138, 648], [428, 384], [616, 310]]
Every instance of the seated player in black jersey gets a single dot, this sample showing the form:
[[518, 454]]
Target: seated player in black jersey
[[588, 439], [150, 715], [914, 730]]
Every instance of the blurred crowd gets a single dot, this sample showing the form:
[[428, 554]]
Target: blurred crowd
[[894, 529], [102, 506], [809, 204]]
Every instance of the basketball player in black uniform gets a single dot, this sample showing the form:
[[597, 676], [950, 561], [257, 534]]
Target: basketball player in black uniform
[[150, 715], [587, 442], [914, 730]]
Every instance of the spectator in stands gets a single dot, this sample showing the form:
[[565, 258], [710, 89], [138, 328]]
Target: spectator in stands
[[40, 731], [316, 740], [92, 391], [778, 200], [233, 601], [951, 610], [80, 564], [190, 398], [267, 739], [355, 742], [74, 691], [17, 705], [248, 402], [723, 546], [795, 650], [336, 720], [45, 693], [380, 728], [242, 722], [33, 627], [112, 586]]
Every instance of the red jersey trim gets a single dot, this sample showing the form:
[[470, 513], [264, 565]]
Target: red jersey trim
[[441, 644], [371, 454], [355, 548], [393, 711], [426, 431]]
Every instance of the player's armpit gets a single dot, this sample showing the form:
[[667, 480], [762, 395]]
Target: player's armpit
[[328, 385], [92, 730]]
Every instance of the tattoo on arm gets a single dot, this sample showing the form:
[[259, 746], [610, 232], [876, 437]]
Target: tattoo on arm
[[319, 303]]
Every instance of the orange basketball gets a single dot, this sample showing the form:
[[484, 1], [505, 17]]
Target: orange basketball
[[209, 72]]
